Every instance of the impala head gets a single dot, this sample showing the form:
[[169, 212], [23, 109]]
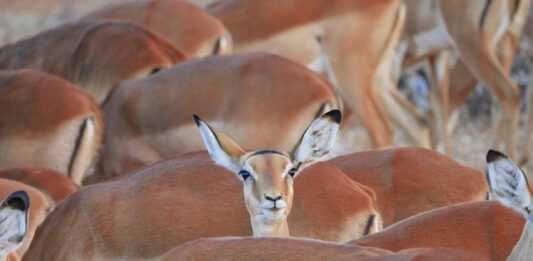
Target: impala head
[[13, 222], [268, 175], [508, 184]]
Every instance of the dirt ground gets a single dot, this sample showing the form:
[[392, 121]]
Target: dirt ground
[[23, 18]]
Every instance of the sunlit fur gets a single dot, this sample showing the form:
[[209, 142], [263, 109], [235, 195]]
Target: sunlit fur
[[150, 211], [485, 227], [410, 180], [355, 57], [46, 121], [242, 248], [192, 30], [53, 184], [150, 119], [95, 55]]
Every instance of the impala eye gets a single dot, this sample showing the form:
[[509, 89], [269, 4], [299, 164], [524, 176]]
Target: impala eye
[[244, 174], [292, 172]]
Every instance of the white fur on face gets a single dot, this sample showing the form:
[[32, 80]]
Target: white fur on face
[[268, 216], [261, 209], [267, 204]]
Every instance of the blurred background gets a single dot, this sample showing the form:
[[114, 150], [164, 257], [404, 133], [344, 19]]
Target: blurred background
[[20, 19]]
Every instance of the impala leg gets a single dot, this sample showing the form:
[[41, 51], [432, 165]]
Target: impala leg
[[508, 96], [439, 103], [476, 40], [356, 60], [524, 157], [399, 110], [497, 125], [402, 112], [406, 116], [487, 68], [462, 83]]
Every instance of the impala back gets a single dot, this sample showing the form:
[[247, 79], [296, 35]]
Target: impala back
[[262, 100], [94, 54], [47, 122], [145, 214]]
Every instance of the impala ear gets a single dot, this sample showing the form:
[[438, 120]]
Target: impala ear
[[13, 221], [508, 184], [222, 149], [318, 139]]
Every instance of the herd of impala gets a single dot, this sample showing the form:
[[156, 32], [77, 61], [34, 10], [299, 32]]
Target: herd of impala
[[116, 101]]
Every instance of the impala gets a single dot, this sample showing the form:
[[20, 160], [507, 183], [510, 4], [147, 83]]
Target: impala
[[191, 29], [409, 181], [47, 122], [247, 95], [477, 30], [487, 228], [93, 54], [188, 197], [358, 39], [509, 186], [51, 183], [235, 248], [13, 223], [267, 175], [484, 227], [471, 231], [476, 42]]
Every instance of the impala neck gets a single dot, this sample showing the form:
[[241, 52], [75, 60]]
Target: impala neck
[[270, 228], [524, 248]]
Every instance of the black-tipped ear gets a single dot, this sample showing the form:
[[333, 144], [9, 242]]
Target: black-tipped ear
[[494, 155], [222, 149], [317, 141], [334, 115], [18, 200], [197, 120]]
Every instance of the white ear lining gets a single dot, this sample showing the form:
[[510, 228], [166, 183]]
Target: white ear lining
[[212, 144], [14, 221], [508, 184], [318, 139]]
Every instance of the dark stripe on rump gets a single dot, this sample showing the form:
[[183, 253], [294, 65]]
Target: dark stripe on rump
[[77, 145], [484, 14], [216, 49], [369, 224]]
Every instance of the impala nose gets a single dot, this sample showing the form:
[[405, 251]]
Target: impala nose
[[272, 199]]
